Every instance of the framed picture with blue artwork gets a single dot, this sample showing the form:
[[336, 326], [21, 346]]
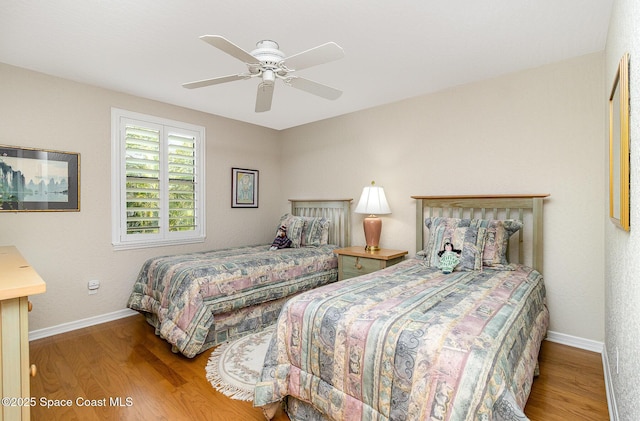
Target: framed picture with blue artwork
[[244, 188], [35, 180]]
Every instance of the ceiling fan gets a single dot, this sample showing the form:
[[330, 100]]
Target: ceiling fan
[[268, 63]]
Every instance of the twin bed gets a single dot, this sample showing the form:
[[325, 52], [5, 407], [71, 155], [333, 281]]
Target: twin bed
[[412, 343], [199, 300], [405, 343]]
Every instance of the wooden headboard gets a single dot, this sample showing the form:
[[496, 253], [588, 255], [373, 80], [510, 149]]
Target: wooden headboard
[[525, 207], [338, 211]]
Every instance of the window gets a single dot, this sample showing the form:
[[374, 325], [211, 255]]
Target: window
[[157, 181]]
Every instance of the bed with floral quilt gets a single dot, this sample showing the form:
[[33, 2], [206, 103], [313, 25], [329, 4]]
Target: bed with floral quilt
[[198, 300], [413, 343]]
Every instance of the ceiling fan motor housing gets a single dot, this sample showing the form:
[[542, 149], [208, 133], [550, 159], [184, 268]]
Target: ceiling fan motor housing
[[270, 57]]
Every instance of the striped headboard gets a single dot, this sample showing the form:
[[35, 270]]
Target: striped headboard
[[525, 207], [338, 211]]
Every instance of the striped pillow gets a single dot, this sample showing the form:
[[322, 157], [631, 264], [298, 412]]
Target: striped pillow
[[315, 231], [494, 254]]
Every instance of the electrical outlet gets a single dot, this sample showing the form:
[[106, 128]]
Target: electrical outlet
[[93, 286]]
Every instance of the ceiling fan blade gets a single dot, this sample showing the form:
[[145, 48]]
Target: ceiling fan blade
[[214, 81], [230, 48], [318, 55], [264, 97], [315, 88]]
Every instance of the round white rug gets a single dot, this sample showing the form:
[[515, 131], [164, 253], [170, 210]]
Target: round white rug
[[234, 367]]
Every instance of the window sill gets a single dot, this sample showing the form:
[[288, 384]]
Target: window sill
[[153, 244]]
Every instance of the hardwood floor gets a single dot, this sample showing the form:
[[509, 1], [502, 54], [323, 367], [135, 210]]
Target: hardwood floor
[[123, 365], [570, 386]]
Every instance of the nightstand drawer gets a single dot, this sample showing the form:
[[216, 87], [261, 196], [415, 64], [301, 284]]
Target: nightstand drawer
[[355, 266], [356, 261]]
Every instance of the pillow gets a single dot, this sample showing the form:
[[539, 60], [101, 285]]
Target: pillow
[[449, 222], [494, 254], [325, 233], [470, 240], [315, 231], [294, 225]]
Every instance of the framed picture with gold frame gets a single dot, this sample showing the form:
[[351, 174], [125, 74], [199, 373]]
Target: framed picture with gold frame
[[35, 180], [619, 146]]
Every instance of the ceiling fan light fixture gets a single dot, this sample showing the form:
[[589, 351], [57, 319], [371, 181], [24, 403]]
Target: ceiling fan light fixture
[[268, 77]]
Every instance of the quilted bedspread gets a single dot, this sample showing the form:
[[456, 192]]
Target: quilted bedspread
[[183, 293], [410, 343]]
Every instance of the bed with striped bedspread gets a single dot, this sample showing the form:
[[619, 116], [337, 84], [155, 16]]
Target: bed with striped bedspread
[[409, 343], [187, 297]]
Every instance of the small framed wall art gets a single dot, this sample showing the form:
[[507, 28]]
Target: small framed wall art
[[33, 180], [244, 188]]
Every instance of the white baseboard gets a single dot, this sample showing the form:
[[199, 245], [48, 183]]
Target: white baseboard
[[608, 385], [576, 342], [79, 324]]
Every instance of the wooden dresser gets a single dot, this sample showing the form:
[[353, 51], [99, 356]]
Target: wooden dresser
[[18, 280]]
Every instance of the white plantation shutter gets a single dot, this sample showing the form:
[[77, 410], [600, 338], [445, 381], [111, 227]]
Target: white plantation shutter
[[142, 191], [158, 181], [182, 183]]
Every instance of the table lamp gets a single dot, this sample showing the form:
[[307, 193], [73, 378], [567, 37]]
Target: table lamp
[[372, 202]]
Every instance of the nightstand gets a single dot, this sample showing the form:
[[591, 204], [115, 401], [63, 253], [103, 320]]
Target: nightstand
[[356, 261]]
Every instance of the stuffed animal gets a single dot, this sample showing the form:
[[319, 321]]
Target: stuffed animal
[[449, 258], [281, 241]]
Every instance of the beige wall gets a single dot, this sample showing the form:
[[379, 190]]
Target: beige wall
[[622, 256], [70, 248], [537, 131]]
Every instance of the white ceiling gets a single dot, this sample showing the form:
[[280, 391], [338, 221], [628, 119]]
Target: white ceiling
[[393, 49]]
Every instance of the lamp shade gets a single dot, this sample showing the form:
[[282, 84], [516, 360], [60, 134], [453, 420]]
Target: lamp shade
[[373, 201]]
